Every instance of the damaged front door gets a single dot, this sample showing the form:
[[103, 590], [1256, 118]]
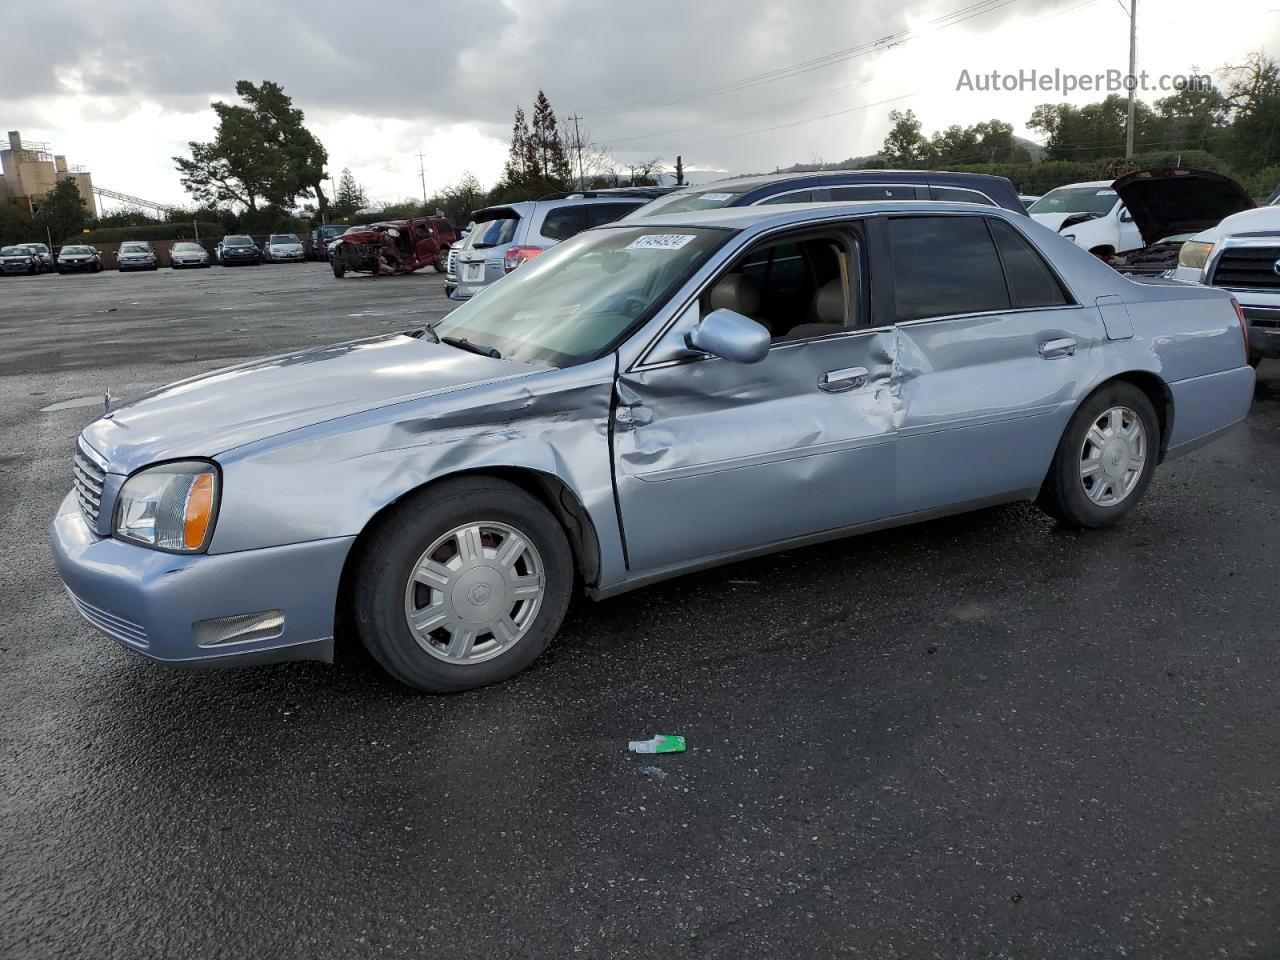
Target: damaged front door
[[713, 457]]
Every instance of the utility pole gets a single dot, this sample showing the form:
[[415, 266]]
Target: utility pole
[[1133, 75], [422, 175], [679, 171], [577, 147]]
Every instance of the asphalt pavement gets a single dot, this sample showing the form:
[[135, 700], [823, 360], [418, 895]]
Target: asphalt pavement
[[978, 737]]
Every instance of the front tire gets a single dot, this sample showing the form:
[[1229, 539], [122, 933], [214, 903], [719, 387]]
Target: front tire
[[442, 261], [339, 268], [464, 585], [1105, 460]]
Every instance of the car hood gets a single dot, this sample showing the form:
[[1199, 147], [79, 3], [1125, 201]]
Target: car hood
[[1053, 221], [1260, 220], [1169, 201], [210, 414]]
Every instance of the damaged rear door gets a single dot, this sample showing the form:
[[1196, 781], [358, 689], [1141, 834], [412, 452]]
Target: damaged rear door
[[713, 458]]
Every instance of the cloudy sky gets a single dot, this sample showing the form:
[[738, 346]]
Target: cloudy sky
[[731, 85]]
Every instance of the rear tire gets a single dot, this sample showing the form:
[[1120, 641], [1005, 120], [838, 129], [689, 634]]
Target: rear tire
[[499, 581], [1105, 459]]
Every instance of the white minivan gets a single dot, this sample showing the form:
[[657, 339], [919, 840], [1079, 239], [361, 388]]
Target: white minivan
[[1091, 215]]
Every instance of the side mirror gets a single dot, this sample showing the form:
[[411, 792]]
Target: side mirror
[[1125, 215], [730, 336]]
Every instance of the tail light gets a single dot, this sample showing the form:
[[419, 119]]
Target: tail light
[[1244, 326], [518, 255]]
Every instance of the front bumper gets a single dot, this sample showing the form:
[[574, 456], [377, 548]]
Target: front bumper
[[76, 266], [16, 267], [148, 601], [1264, 328]]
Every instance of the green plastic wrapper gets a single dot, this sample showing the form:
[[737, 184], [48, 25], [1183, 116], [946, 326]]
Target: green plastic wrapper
[[661, 743]]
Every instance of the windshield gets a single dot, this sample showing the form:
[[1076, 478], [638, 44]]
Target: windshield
[[237, 241], [14, 252], [188, 248], [357, 229], [689, 201], [134, 248], [571, 303], [283, 238], [66, 250], [1096, 200]]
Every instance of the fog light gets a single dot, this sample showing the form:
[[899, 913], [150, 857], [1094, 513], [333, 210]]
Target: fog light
[[239, 629]]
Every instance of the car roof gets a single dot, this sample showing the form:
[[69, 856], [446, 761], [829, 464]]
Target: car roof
[[524, 208], [798, 214]]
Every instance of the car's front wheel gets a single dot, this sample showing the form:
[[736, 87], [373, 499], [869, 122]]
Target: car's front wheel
[[463, 586], [442, 261], [339, 268], [1105, 459]]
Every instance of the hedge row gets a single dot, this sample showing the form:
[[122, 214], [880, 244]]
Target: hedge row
[[154, 231]]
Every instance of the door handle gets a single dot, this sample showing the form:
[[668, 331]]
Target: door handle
[[840, 381], [1057, 349]]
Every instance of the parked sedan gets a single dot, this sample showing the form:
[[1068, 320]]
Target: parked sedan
[[238, 249], [645, 399], [284, 248], [188, 254], [79, 258], [19, 259], [136, 255], [47, 261]]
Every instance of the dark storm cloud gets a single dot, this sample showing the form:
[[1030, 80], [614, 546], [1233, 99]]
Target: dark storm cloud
[[472, 62]]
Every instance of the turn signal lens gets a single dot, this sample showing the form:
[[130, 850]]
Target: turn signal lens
[[199, 512], [518, 255], [1194, 254]]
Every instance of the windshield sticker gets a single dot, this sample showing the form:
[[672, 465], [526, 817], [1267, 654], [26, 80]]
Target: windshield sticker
[[660, 241], [1105, 193], [715, 197]]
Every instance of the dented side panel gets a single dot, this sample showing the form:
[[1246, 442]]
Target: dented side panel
[[330, 479], [983, 400], [713, 456]]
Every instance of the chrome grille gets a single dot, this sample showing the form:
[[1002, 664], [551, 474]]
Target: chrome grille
[[88, 472], [451, 260]]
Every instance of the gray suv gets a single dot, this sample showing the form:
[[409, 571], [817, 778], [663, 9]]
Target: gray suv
[[506, 236]]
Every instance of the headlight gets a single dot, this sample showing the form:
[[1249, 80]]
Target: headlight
[[169, 507], [1194, 254]]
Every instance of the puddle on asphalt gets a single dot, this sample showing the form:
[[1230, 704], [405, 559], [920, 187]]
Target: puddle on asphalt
[[94, 401]]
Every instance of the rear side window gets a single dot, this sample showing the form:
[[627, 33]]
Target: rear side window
[[564, 222], [1031, 282], [875, 192], [599, 213], [944, 266], [961, 195]]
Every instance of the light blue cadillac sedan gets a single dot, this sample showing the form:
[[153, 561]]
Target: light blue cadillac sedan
[[645, 399]]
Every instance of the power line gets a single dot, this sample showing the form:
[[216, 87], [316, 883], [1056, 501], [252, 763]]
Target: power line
[[980, 8]]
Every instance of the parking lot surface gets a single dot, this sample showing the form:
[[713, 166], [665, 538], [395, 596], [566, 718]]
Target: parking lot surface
[[982, 736]]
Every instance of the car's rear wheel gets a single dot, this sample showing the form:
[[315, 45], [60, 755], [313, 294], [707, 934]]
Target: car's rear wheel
[[1105, 460], [463, 586]]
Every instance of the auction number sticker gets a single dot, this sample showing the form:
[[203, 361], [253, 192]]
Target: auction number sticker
[[660, 241], [715, 197]]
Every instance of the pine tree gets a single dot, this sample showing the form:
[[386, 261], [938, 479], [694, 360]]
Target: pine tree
[[552, 164], [349, 196], [516, 172]]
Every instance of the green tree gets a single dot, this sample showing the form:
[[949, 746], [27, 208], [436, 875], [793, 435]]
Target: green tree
[[1095, 130], [550, 163], [260, 154], [516, 171], [905, 145], [348, 196], [1253, 104], [281, 126], [61, 211], [15, 223], [1192, 119]]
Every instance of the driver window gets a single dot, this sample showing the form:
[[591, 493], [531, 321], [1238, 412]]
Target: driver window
[[797, 288]]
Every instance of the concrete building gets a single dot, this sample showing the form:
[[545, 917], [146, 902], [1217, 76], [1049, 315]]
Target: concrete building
[[28, 171]]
